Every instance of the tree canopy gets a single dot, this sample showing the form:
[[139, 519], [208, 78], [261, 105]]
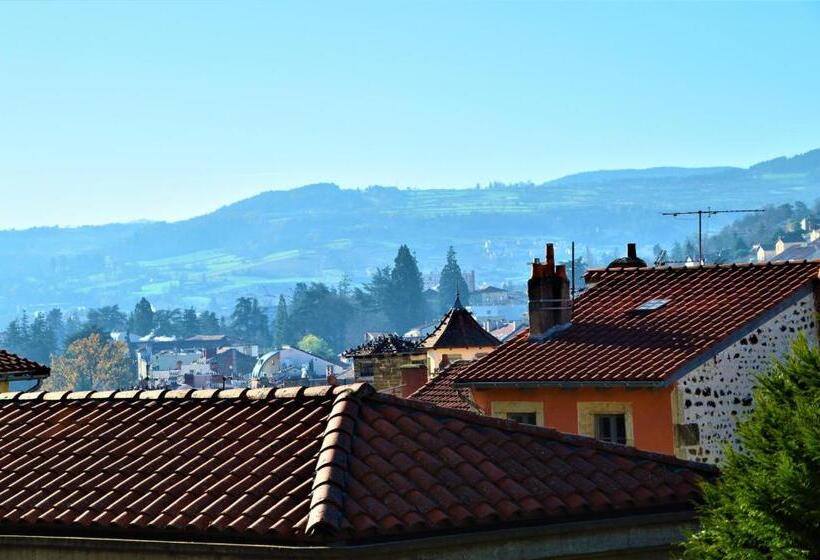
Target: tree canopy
[[452, 283], [92, 363], [766, 505]]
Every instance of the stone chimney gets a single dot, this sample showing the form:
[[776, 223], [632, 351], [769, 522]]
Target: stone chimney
[[550, 305]]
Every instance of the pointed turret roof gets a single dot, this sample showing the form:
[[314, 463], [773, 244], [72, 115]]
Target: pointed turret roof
[[458, 329]]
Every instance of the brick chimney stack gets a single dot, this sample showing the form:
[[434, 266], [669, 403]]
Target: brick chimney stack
[[550, 305], [330, 377]]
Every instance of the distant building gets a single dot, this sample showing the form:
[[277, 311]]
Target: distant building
[[457, 337], [290, 366], [401, 365]]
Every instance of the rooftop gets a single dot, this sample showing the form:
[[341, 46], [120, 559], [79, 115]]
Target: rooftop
[[317, 465], [381, 345], [13, 367], [458, 329], [440, 390], [611, 340]]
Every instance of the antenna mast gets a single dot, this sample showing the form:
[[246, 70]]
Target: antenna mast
[[707, 212]]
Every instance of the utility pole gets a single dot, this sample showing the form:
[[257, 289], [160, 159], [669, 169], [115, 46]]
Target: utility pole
[[707, 212]]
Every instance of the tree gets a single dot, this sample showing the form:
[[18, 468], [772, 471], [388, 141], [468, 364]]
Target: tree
[[56, 324], [765, 505], [189, 324], [142, 319], [451, 282], [281, 326], [42, 342], [108, 318], [316, 346], [249, 322], [407, 305], [208, 323], [167, 322], [92, 363]]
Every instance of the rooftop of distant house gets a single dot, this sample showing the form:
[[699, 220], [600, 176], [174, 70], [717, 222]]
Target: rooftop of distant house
[[14, 367], [441, 392], [458, 329], [381, 345], [322, 465], [647, 326]]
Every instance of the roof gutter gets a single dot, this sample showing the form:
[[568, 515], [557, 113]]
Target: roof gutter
[[567, 539]]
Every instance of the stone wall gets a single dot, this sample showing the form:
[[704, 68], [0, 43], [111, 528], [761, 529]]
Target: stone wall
[[714, 397]]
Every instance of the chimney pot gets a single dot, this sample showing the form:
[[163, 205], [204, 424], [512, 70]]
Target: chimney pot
[[549, 298], [631, 251]]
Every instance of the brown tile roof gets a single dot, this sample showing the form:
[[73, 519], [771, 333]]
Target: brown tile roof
[[305, 465], [440, 390], [458, 329], [13, 366], [610, 341], [380, 345]]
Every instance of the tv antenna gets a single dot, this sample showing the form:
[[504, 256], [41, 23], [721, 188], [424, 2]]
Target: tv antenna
[[707, 212]]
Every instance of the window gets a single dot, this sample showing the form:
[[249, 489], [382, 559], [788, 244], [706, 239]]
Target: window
[[611, 428], [452, 357], [608, 421], [526, 412], [523, 417], [652, 304]]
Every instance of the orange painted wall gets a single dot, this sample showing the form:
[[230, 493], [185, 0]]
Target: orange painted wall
[[651, 410]]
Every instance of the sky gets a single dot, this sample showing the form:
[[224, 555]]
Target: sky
[[156, 110]]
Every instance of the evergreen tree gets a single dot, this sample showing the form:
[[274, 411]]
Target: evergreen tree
[[406, 302], [209, 323], [42, 342], [281, 326], [765, 504], [108, 318], [451, 282], [167, 322], [249, 322], [189, 324], [55, 322], [142, 319]]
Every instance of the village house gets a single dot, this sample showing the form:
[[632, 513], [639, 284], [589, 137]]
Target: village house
[[322, 472], [660, 358], [17, 368], [398, 365]]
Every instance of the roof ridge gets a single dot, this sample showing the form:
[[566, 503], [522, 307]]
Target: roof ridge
[[319, 391], [326, 510], [646, 269], [542, 431]]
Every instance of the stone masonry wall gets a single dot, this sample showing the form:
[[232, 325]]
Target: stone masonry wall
[[718, 394]]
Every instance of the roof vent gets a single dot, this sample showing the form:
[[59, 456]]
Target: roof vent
[[652, 305]]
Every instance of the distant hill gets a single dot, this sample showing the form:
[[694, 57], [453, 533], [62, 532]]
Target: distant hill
[[265, 244]]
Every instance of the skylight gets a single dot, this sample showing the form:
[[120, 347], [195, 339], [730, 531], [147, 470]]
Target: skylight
[[652, 304]]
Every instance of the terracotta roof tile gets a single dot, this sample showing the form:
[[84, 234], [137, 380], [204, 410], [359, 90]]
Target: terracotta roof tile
[[14, 366], [440, 390], [341, 465], [609, 340]]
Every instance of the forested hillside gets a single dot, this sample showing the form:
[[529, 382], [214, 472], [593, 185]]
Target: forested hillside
[[266, 244]]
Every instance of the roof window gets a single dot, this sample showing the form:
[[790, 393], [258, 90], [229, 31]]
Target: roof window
[[652, 305]]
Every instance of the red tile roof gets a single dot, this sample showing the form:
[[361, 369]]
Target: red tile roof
[[458, 329], [440, 390], [305, 465], [610, 341], [13, 366]]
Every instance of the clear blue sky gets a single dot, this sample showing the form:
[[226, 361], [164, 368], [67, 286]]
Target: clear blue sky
[[120, 111]]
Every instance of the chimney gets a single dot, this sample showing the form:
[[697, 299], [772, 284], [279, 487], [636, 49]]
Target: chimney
[[631, 251], [330, 377], [550, 305]]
